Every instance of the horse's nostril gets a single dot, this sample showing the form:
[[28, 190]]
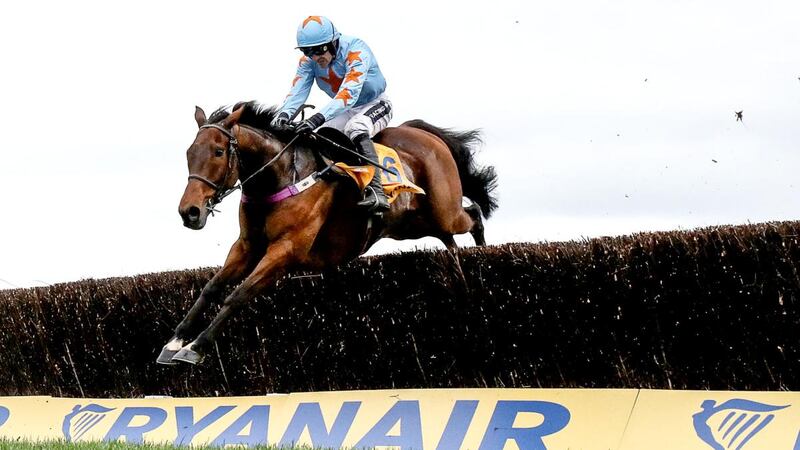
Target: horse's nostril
[[193, 213]]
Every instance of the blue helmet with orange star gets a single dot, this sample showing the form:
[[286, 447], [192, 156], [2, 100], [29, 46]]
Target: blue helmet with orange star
[[315, 31]]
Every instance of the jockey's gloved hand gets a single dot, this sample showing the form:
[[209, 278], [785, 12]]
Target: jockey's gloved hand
[[281, 121], [310, 124]]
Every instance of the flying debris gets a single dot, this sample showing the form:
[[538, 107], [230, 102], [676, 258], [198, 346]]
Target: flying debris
[[739, 115], [714, 160]]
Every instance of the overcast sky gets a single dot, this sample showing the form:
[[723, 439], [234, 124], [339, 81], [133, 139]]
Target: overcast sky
[[602, 118]]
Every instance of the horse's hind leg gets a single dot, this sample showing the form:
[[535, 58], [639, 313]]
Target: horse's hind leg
[[236, 267], [444, 198], [474, 211], [449, 242], [452, 253], [452, 219]]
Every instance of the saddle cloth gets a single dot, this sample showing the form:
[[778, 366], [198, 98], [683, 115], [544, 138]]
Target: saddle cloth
[[393, 185]]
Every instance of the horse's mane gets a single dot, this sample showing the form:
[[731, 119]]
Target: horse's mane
[[254, 115], [260, 117]]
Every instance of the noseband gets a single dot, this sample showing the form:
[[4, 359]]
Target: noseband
[[220, 191]]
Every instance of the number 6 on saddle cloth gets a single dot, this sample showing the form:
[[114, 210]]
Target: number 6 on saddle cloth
[[393, 177]]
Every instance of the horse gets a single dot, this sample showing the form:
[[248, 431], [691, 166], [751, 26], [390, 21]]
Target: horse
[[314, 223]]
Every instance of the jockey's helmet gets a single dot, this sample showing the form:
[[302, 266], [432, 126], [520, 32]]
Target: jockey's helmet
[[315, 31]]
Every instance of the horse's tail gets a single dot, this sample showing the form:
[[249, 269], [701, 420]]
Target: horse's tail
[[478, 183]]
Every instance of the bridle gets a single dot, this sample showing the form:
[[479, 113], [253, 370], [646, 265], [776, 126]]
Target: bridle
[[221, 190]]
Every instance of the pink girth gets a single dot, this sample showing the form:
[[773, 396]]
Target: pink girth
[[283, 194]]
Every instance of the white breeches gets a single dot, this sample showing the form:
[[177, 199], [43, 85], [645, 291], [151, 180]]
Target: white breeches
[[370, 118]]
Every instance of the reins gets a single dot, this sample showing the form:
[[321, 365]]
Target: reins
[[269, 163], [233, 146], [220, 191]]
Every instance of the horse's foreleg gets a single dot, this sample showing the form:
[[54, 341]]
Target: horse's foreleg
[[266, 273], [237, 265]]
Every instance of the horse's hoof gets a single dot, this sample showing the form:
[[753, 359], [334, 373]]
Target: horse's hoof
[[187, 355], [166, 356], [173, 346]]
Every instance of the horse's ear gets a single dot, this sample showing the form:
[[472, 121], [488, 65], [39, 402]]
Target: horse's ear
[[233, 118], [199, 116]]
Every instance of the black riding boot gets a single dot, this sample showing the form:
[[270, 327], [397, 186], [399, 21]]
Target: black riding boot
[[374, 198]]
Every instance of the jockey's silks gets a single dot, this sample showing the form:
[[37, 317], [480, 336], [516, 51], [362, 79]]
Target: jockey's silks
[[352, 79]]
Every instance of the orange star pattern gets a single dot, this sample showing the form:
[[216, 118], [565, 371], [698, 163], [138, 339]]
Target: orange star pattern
[[295, 80], [352, 57], [333, 80], [310, 18], [344, 96], [353, 75]]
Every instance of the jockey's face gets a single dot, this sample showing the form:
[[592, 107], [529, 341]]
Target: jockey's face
[[321, 54], [323, 60]]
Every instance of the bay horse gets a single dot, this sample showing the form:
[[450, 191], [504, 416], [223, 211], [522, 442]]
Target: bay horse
[[313, 223]]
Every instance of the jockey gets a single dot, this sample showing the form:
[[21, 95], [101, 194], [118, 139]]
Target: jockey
[[345, 69]]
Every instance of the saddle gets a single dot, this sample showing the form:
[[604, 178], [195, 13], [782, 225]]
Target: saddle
[[353, 168]]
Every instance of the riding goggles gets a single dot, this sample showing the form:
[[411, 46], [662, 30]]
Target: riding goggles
[[316, 50]]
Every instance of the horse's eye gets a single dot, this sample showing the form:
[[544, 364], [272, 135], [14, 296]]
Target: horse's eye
[[219, 152]]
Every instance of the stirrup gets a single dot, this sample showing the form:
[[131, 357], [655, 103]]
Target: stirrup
[[372, 202]]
